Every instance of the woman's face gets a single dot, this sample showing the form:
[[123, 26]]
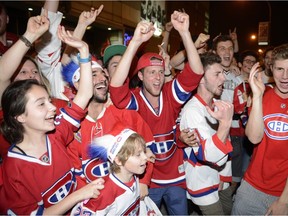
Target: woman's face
[[39, 111], [28, 71]]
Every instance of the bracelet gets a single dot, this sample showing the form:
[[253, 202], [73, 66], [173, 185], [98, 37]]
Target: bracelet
[[167, 75], [83, 60], [25, 41]]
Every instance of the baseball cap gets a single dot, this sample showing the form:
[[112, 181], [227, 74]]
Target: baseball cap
[[150, 59], [113, 50]]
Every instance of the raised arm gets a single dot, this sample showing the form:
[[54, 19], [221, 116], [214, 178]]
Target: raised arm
[[168, 73], [178, 60], [143, 32], [180, 22], [255, 125], [36, 26], [201, 40], [166, 35], [49, 50], [85, 90], [51, 5], [234, 38], [86, 18]]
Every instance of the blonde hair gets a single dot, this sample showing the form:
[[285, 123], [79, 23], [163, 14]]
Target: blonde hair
[[127, 150], [43, 79]]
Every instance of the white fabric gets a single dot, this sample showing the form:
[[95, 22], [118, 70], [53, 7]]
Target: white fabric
[[49, 54], [149, 208]]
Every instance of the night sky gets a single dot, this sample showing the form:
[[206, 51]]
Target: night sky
[[246, 15]]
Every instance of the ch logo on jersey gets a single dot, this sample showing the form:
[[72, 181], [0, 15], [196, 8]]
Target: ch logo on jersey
[[60, 189], [58, 118], [164, 146], [95, 169], [164, 150], [276, 126]]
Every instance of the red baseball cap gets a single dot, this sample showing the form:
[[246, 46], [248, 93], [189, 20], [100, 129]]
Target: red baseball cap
[[150, 59]]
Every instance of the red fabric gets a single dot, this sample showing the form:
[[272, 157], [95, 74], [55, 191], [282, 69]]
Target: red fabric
[[268, 169], [11, 39], [5, 145]]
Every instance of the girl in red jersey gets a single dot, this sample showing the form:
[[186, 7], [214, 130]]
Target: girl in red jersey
[[38, 177]]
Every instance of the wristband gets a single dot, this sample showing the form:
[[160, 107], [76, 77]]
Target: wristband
[[83, 60], [25, 41]]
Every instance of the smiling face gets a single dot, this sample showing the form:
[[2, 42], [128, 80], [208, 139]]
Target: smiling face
[[247, 64], [268, 59], [153, 80], [225, 50], [28, 71], [100, 84], [39, 111]]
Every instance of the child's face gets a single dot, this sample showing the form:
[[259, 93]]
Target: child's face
[[40, 113], [136, 163]]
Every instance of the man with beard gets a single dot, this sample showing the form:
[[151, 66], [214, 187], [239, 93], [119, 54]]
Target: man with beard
[[159, 104], [207, 161], [100, 120], [224, 47]]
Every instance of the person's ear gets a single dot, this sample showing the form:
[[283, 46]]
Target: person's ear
[[76, 85], [7, 20], [271, 68], [140, 75], [117, 161], [202, 80], [240, 64], [21, 118]]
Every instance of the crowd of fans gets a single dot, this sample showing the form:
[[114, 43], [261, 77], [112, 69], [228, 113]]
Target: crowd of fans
[[205, 127]]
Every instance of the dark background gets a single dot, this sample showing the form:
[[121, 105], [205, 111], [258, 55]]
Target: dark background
[[224, 15], [246, 15]]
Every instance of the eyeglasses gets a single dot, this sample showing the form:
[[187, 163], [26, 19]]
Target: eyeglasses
[[248, 61]]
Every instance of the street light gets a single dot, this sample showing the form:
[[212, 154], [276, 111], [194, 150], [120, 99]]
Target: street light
[[253, 37]]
